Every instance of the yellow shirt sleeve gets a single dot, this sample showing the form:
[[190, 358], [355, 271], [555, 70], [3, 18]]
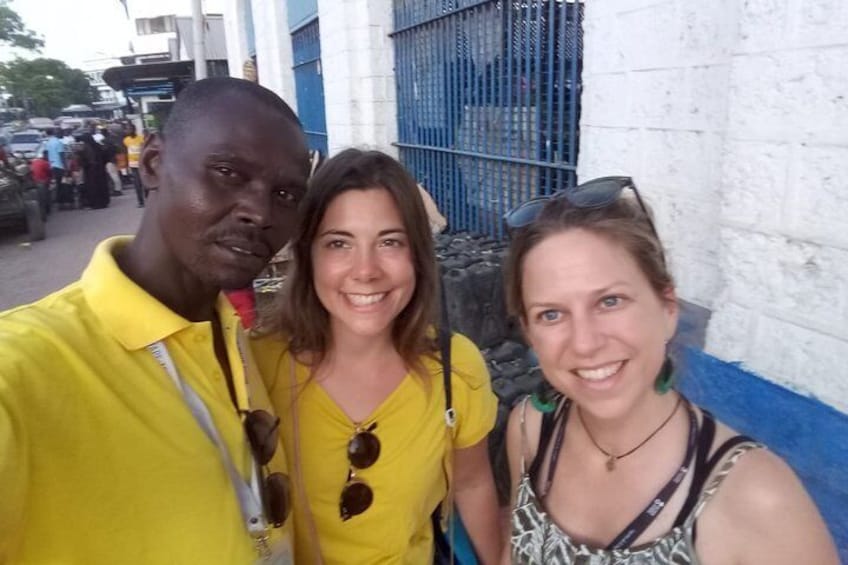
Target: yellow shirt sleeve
[[13, 472], [476, 405]]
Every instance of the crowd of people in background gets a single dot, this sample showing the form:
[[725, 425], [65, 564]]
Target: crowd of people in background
[[87, 167]]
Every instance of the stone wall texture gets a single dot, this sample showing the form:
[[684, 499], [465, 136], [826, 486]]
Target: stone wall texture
[[732, 116]]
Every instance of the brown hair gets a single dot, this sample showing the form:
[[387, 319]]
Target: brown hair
[[302, 316], [623, 222]]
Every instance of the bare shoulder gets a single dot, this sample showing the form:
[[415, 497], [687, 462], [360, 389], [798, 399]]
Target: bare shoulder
[[522, 442], [762, 514]]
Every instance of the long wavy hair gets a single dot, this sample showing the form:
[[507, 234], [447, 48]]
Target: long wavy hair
[[301, 316]]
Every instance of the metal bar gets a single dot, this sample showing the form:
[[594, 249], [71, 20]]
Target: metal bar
[[502, 158], [550, 29], [439, 17], [574, 90], [563, 54]]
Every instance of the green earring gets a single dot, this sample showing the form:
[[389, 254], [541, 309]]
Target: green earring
[[544, 400], [665, 380]]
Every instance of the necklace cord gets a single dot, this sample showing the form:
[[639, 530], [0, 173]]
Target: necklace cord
[[612, 456]]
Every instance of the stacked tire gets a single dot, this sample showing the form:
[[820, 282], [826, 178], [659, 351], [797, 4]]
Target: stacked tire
[[472, 272]]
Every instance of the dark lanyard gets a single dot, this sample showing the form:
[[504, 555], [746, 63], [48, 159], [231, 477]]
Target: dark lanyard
[[649, 514]]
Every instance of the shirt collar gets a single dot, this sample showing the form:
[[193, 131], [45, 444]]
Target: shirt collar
[[131, 315]]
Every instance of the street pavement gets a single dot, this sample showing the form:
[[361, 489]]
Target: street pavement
[[30, 271]]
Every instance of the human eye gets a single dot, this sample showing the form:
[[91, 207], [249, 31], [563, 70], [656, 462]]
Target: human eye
[[392, 242], [611, 301], [336, 244], [287, 196], [548, 316], [227, 172]]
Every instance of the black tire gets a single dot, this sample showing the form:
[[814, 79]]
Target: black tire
[[35, 224]]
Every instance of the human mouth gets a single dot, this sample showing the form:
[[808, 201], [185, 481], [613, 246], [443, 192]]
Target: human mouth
[[596, 374], [246, 249], [365, 299]]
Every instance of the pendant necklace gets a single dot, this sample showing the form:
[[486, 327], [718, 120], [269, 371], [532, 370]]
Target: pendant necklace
[[612, 457]]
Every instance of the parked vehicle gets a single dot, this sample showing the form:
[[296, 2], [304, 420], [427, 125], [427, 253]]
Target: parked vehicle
[[41, 123], [26, 144], [19, 202]]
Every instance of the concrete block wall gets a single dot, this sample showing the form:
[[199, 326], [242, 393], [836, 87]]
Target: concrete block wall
[[732, 115], [357, 60]]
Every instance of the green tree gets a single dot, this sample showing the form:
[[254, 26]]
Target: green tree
[[45, 86], [14, 33]]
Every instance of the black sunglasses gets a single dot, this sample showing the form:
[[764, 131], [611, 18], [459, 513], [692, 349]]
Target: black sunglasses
[[263, 434], [595, 193], [363, 449]]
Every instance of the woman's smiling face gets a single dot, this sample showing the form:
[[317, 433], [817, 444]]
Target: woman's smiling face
[[596, 324], [362, 264]]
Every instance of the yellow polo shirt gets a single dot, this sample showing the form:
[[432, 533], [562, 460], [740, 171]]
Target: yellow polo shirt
[[407, 479], [101, 461]]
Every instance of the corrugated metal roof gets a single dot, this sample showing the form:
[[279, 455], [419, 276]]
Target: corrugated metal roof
[[216, 44]]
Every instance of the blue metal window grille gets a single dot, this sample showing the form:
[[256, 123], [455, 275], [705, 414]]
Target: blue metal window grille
[[309, 85], [488, 101]]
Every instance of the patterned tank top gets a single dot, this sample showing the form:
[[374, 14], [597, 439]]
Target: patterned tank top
[[536, 538]]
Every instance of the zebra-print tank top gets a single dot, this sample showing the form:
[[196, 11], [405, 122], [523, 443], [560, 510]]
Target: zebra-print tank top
[[536, 539]]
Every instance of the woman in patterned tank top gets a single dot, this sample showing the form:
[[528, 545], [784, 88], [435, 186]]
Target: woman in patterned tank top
[[618, 467]]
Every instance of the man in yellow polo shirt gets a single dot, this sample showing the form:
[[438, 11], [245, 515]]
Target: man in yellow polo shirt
[[133, 143], [131, 428]]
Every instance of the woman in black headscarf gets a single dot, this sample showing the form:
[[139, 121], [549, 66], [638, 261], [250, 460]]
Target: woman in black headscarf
[[93, 160]]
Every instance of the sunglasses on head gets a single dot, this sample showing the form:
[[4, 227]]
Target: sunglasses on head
[[263, 433], [363, 449], [595, 193]]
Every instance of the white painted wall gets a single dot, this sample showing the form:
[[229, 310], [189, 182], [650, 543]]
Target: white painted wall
[[732, 115], [274, 48], [235, 32], [357, 60]]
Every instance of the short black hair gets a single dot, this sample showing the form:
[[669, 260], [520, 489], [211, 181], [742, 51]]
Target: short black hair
[[196, 98]]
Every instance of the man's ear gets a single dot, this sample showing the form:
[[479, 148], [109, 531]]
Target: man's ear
[[150, 162]]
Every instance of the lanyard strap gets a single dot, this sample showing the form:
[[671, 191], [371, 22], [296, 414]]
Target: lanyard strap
[[641, 523], [249, 497]]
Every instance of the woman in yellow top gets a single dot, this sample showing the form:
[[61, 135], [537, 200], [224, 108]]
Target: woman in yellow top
[[358, 379]]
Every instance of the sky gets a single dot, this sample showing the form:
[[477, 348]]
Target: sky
[[76, 31]]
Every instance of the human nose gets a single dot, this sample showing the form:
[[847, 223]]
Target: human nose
[[254, 206], [366, 265], [586, 335]]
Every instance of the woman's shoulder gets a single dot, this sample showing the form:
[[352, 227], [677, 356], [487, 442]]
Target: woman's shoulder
[[760, 500], [467, 362], [270, 351]]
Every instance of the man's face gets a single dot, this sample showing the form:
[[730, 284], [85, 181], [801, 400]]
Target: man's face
[[227, 191], [131, 131]]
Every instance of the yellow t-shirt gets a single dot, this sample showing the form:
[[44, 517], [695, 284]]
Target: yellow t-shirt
[[407, 480], [133, 145], [101, 461]]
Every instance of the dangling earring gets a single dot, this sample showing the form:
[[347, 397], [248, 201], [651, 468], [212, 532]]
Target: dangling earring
[[665, 379], [544, 398]]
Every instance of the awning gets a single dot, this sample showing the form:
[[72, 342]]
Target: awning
[[150, 79]]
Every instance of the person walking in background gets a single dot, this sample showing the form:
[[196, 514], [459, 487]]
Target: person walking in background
[[95, 182], [133, 143], [56, 154], [110, 154], [42, 175]]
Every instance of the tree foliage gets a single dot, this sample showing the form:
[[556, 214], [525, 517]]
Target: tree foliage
[[14, 33], [45, 86]]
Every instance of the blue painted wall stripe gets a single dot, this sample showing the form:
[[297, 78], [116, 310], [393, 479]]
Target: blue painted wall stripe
[[810, 435]]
